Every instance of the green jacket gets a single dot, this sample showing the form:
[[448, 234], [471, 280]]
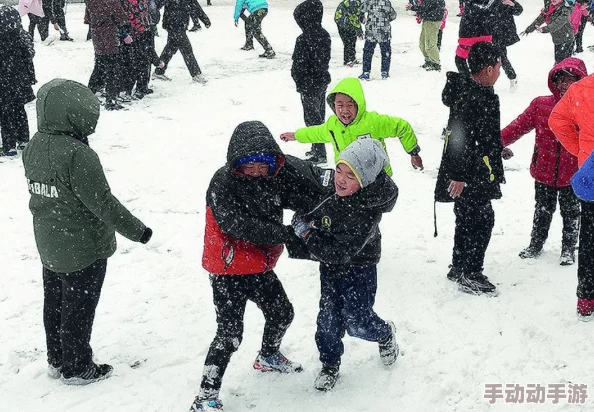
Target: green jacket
[[378, 126], [75, 216]]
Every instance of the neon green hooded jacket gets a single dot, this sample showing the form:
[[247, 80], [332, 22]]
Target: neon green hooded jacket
[[376, 125]]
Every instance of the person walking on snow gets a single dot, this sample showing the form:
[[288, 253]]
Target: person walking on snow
[[348, 17], [505, 34], [311, 59], [258, 9], [75, 217], [54, 10], [341, 231], [552, 165], [16, 78], [471, 168], [379, 14], [431, 12], [571, 121], [351, 120], [176, 18]]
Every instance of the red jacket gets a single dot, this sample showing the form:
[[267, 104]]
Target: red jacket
[[551, 164]]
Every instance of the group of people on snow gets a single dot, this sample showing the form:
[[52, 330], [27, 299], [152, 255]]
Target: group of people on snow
[[336, 212]]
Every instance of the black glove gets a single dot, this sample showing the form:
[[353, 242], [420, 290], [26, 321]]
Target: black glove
[[146, 236]]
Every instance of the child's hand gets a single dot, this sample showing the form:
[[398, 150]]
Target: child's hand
[[287, 137], [507, 153], [408, 6], [417, 162], [236, 23], [455, 189], [538, 29]]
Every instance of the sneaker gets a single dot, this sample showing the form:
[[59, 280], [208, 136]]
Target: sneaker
[[567, 258], [585, 307], [200, 405], [327, 378], [579, 50], [125, 97], [247, 47], [94, 373], [146, 91], [53, 372], [352, 63], [454, 274], [65, 37], [276, 362], [22, 145], [317, 159], [425, 65], [199, 78], [138, 95], [268, 54], [9, 153], [364, 76], [385, 75], [196, 28], [530, 252], [513, 85], [159, 76], [388, 349], [113, 106], [433, 67], [475, 284]]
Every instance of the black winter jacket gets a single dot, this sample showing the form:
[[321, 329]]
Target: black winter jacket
[[311, 56], [430, 10], [176, 16], [346, 229], [17, 73], [505, 32], [477, 18], [472, 147]]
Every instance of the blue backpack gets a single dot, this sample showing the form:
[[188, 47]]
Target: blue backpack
[[583, 181]]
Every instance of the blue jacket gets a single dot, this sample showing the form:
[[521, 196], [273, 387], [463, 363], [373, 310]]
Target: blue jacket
[[251, 6]]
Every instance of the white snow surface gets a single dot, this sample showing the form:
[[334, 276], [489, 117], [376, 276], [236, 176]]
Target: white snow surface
[[156, 305]]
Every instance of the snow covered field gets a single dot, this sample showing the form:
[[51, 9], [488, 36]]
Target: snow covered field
[[156, 312]]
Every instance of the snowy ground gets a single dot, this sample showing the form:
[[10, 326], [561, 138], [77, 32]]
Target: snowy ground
[[156, 307]]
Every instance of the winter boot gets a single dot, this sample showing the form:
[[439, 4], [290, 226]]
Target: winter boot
[[199, 78], [476, 284], [65, 37], [364, 76], [268, 54], [385, 75], [327, 378], [201, 405], [94, 373], [433, 67], [248, 47], [425, 65], [276, 362], [195, 28], [388, 348], [567, 257], [531, 252], [585, 308], [8, 153]]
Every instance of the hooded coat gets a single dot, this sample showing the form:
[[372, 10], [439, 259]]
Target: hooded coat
[[75, 216], [472, 146], [372, 124], [551, 163], [571, 119], [505, 32], [346, 229], [348, 16], [17, 73], [311, 56], [244, 231]]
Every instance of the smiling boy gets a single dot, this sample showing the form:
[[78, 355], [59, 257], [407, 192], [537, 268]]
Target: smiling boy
[[351, 121]]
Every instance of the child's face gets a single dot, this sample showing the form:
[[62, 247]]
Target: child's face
[[563, 82], [254, 169], [345, 108], [345, 181], [555, 2]]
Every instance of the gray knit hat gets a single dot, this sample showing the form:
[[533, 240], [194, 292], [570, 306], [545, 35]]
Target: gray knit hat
[[366, 158]]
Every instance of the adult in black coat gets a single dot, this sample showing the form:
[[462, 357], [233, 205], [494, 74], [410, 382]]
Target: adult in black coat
[[505, 33], [471, 168], [17, 75], [311, 59], [175, 20]]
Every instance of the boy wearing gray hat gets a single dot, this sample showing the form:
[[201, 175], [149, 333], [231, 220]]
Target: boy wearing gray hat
[[342, 233]]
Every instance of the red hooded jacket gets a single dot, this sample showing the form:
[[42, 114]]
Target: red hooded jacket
[[551, 164]]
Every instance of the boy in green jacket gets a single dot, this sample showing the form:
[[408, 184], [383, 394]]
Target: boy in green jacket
[[351, 121], [75, 218]]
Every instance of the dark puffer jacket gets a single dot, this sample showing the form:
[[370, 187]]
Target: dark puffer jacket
[[107, 18], [311, 56], [346, 229], [472, 147], [17, 73], [505, 32], [176, 16]]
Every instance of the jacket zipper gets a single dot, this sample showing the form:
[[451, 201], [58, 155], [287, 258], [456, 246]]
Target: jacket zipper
[[335, 142]]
